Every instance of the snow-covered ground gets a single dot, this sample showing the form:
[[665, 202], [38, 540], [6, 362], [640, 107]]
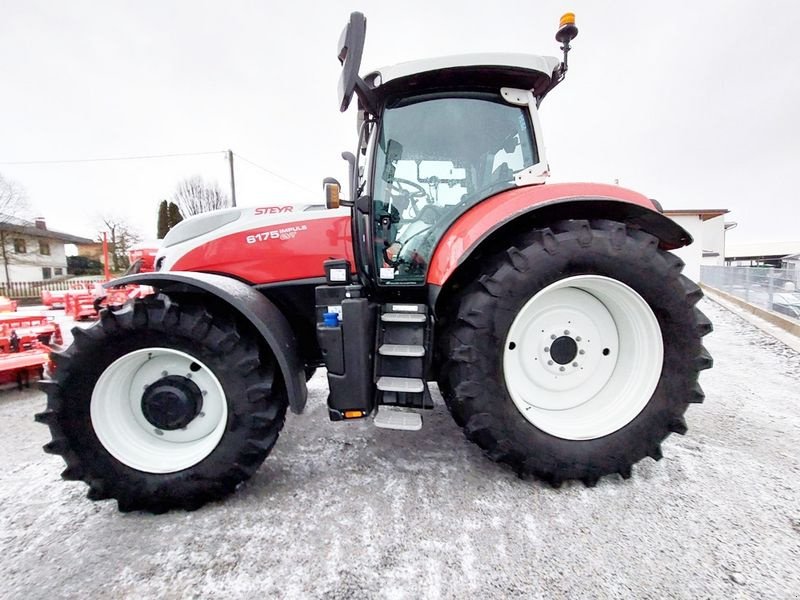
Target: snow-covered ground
[[351, 511]]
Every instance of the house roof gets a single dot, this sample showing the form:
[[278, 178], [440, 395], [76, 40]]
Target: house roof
[[704, 213], [761, 250], [33, 231]]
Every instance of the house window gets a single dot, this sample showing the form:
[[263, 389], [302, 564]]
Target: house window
[[44, 248], [58, 271], [19, 246], [47, 273]]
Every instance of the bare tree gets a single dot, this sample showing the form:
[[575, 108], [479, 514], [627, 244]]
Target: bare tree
[[13, 210], [194, 196], [121, 237], [13, 201]]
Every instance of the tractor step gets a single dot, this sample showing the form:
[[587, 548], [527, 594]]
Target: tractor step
[[401, 384], [388, 417], [403, 318], [401, 360], [410, 350]]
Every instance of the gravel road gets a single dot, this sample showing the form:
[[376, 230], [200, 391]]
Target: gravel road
[[351, 511]]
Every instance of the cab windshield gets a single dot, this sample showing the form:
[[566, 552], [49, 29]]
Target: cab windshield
[[435, 157]]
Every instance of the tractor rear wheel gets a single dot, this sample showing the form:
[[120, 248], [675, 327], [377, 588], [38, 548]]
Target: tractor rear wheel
[[162, 405], [576, 352]]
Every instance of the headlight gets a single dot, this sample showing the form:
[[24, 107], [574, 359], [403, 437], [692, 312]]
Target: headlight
[[199, 225]]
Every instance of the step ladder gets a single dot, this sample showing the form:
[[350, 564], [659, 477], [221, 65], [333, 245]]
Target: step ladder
[[401, 363], [391, 417]]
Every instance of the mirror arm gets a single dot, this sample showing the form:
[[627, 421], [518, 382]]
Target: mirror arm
[[351, 161], [366, 96]]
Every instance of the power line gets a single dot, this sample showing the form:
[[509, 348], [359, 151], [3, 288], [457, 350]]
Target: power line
[[273, 173], [107, 158], [153, 156]]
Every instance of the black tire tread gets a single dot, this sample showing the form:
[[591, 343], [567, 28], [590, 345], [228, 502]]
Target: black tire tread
[[470, 332], [256, 425]]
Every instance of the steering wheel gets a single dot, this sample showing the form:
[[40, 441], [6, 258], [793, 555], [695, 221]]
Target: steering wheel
[[400, 196]]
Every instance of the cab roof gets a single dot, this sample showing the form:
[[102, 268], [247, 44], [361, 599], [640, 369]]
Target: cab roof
[[466, 71]]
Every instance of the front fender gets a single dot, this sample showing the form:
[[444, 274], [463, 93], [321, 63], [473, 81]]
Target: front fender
[[251, 305], [536, 206]]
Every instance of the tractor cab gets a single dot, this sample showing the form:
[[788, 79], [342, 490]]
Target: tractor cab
[[436, 137]]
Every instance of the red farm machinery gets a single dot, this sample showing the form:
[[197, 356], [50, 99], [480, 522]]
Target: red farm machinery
[[25, 344], [557, 324]]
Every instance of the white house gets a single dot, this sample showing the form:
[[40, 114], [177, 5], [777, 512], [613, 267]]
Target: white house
[[31, 251], [707, 227]]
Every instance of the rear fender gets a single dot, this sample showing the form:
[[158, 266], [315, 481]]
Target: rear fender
[[252, 306], [486, 227]]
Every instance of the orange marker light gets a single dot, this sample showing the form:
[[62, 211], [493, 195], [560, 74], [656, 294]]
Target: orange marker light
[[567, 19], [353, 414]]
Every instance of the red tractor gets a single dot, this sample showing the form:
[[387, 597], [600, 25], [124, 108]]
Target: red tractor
[[562, 335]]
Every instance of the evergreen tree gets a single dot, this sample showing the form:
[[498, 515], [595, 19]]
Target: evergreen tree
[[173, 215], [163, 220]]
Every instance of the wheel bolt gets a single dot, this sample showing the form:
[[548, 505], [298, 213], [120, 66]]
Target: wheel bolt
[[578, 339], [188, 376], [566, 332], [202, 414], [574, 364], [164, 373], [581, 351], [552, 337], [549, 362], [158, 432], [560, 368], [204, 392], [547, 348]]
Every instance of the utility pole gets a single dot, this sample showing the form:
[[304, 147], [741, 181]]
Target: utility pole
[[233, 183], [105, 257], [5, 261]]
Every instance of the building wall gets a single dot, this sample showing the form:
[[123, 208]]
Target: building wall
[[692, 254], [713, 240], [28, 266]]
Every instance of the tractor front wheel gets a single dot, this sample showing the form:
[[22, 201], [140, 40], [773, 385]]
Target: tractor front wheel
[[162, 406], [576, 353]]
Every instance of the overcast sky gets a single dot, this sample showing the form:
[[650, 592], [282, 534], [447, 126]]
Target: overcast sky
[[693, 103]]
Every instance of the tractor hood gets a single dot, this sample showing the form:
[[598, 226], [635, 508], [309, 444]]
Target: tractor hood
[[198, 225], [260, 244]]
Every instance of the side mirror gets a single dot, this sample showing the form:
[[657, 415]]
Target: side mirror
[[351, 47], [394, 152], [332, 189]]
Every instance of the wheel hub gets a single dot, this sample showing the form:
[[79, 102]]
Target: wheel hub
[[172, 402], [564, 350], [583, 357], [159, 410]]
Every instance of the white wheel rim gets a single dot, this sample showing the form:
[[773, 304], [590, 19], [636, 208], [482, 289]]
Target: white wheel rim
[[619, 353], [123, 429]]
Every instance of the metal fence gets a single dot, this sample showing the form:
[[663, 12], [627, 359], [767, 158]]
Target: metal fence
[[777, 290], [20, 290]]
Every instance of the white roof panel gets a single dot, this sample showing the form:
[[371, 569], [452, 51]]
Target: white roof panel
[[542, 64]]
